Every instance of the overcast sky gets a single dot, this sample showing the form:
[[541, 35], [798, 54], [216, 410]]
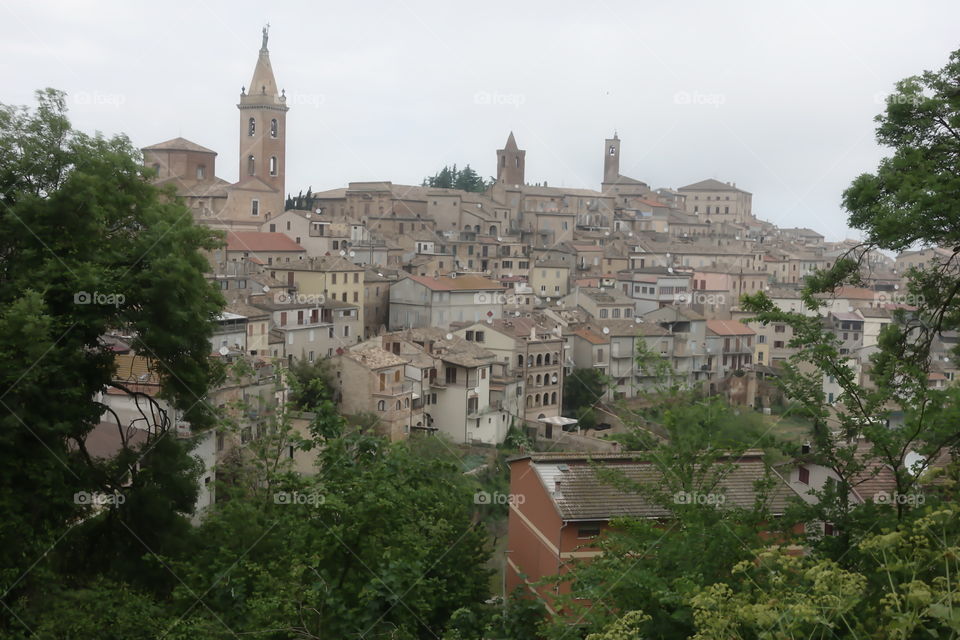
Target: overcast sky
[[776, 98]]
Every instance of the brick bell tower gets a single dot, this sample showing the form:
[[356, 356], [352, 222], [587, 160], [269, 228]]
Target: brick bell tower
[[263, 137], [510, 163], [611, 159]]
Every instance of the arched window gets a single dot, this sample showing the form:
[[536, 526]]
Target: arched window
[[553, 398], [382, 405], [529, 401], [273, 165], [476, 228], [516, 161], [529, 361], [546, 358], [539, 360], [406, 403], [536, 399], [398, 404], [493, 230], [539, 381], [274, 128], [556, 357], [529, 381], [520, 361], [251, 127], [251, 165]]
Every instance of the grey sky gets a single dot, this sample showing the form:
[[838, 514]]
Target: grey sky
[[777, 98]]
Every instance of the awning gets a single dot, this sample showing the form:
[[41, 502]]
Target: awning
[[558, 420]]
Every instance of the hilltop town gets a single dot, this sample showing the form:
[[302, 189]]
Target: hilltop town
[[463, 312]]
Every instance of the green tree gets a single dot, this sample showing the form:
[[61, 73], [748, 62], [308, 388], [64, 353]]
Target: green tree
[[379, 540], [449, 177], [582, 390], [88, 246], [913, 199]]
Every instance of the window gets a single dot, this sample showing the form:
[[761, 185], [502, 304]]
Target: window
[[483, 374], [201, 171], [254, 207], [273, 165], [381, 405], [588, 531], [383, 381], [603, 313], [803, 475], [274, 128], [778, 344], [251, 126], [779, 328], [346, 331], [251, 165], [451, 375], [333, 278], [356, 277], [469, 336], [761, 339]]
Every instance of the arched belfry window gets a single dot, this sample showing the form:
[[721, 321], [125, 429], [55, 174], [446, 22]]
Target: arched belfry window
[[251, 126], [273, 165], [251, 165], [274, 128]]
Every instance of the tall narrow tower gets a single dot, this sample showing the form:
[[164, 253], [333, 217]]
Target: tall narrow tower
[[611, 159], [510, 163], [263, 131]]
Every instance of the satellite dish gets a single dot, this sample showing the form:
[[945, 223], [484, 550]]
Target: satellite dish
[[499, 239], [319, 211], [630, 233], [489, 320], [516, 313], [266, 288], [224, 351], [606, 233], [449, 336], [606, 330], [307, 216], [638, 319], [353, 254], [343, 253], [548, 299], [379, 274], [669, 269], [453, 274], [896, 286]]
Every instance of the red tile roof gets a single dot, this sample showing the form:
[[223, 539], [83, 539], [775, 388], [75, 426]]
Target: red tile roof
[[729, 328], [260, 241]]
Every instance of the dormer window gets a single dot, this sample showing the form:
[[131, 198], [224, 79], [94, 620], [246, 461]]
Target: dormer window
[[274, 128], [251, 126]]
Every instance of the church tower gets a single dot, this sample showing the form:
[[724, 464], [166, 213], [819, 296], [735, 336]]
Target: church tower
[[263, 135], [510, 161], [611, 159]]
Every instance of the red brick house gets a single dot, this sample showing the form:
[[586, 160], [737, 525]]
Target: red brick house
[[559, 505]]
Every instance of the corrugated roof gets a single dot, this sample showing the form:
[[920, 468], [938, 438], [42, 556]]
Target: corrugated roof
[[460, 283]]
